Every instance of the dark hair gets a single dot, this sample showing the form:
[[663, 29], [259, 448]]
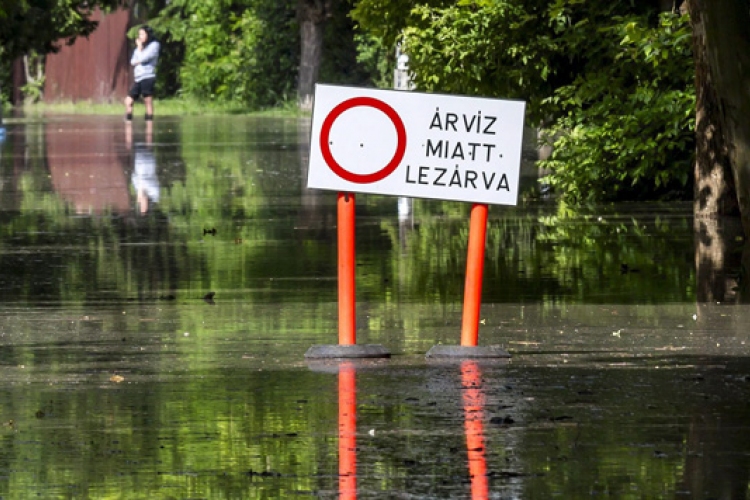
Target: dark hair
[[150, 32]]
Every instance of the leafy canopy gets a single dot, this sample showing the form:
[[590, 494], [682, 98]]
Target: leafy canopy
[[234, 50], [40, 25], [610, 81]]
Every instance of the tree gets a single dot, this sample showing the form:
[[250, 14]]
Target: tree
[[612, 81], [722, 167], [39, 25], [239, 51], [36, 27], [331, 50], [312, 16]]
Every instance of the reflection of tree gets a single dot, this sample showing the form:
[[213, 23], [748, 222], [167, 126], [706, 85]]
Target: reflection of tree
[[716, 460], [624, 432], [621, 257], [717, 258], [147, 437], [245, 176], [19, 147], [49, 255]]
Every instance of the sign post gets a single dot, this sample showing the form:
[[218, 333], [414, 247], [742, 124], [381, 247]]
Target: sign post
[[347, 266], [421, 146], [474, 275]]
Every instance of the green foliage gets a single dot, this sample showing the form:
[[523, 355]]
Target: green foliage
[[39, 25], [182, 106], [33, 91], [501, 50], [611, 80], [628, 133], [385, 19], [234, 50], [276, 53], [377, 59], [341, 63]]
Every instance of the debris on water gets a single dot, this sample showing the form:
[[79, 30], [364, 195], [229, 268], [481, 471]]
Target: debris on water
[[625, 269], [209, 297], [506, 420], [116, 379], [211, 231], [265, 473], [561, 418], [508, 473]]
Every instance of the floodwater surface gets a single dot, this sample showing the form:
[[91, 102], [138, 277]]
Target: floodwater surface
[[160, 286]]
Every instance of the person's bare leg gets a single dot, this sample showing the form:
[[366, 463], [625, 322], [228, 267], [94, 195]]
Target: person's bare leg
[[149, 101], [129, 107]]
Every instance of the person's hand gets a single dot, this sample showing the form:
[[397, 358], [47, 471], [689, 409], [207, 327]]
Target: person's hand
[[139, 43]]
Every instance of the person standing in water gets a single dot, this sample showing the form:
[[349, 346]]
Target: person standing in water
[[145, 57]]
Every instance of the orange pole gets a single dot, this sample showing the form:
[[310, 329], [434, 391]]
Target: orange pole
[[474, 275], [347, 432], [347, 266], [473, 396]]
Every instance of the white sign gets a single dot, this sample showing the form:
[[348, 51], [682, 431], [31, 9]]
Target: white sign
[[417, 145]]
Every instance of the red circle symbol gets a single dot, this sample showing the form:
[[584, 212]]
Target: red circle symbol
[[325, 146]]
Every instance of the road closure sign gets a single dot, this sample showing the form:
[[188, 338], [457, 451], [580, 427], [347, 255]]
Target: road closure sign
[[417, 145]]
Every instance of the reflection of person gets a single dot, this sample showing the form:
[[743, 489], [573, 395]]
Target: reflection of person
[[145, 180], [145, 57]]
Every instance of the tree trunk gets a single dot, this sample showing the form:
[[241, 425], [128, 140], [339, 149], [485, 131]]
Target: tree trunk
[[312, 15], [722, 51]]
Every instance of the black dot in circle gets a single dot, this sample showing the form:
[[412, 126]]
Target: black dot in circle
[[330, 143], [361, 145]]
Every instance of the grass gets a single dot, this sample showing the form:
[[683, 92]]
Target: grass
[[168, 106]]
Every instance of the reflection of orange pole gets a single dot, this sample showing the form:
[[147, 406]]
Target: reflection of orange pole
[[347, 432], [471, 378], [347, 266], [474, 274]]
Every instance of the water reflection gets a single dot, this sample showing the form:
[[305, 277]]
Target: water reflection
[[474, 401], [144, 179], [87, 167], [274, 238], [628, 378], [347, 431]]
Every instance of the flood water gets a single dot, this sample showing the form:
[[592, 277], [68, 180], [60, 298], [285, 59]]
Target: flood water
[[121, 378]]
